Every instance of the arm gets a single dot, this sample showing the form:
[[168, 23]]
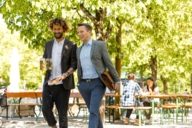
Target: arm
[[73, 62], [108, 63], [138, 89], [45, 51], [156, 91], [73, 58]]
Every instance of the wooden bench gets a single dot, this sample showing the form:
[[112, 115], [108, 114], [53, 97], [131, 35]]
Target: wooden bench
[[186, 108], [140, 109], [19, 95]]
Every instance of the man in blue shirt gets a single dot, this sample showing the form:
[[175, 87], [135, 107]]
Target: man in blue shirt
[[92, 60]]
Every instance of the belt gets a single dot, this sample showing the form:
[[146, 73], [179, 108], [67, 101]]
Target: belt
[[89, 80]]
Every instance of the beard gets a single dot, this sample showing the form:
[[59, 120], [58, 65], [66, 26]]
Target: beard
[[58, 35]]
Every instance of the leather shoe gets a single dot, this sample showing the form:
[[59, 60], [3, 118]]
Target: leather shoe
[[126, 121]]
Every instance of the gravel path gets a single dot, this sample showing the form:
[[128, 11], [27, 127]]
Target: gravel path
[[75, 123]]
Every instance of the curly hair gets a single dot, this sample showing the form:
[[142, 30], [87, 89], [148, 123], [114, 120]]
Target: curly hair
[[59, 21]]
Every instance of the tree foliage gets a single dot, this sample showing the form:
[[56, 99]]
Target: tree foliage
[[30, 75], [151, 37]]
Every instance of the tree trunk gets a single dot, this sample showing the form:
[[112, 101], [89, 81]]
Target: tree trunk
[[141, 72], [118, 56], [191, 83], [153, 66], [118, 63], [165, 85]]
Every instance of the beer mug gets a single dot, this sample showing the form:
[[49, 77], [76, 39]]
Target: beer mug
[[45, 64], [42, 64], [48, 64]]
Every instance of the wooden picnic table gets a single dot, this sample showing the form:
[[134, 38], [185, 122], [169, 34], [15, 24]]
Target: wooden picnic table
[[36, 94], [162, 97], [175, 97]]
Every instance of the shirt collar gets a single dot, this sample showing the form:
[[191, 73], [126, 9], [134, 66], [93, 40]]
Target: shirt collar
[[60, 42], [89, 43]]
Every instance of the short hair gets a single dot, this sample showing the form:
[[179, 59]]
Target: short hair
[[59, 21], [87, 26], [131, 76]]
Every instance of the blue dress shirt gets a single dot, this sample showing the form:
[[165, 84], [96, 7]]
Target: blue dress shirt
[[88, 69]]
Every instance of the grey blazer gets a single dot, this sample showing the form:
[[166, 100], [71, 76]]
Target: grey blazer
[[68, 60], [100, 59]]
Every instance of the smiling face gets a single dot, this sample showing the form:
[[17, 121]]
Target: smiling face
[[58, 31], [58, 27], [83, 33]]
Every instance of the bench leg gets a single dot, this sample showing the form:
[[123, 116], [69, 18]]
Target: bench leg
[[139, 111], [161, 115], [40, 110], [7, 109]]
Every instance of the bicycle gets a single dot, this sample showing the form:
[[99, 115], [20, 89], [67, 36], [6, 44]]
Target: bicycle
[[3, 102]]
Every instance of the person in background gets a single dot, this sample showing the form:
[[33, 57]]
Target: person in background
[[186, 92], [59, 78], [128, 98], [150, 89], [92, 60]]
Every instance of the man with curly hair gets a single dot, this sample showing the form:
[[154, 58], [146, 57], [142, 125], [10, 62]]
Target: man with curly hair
[[59, 78]]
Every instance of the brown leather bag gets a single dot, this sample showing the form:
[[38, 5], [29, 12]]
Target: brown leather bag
[[107, 80]]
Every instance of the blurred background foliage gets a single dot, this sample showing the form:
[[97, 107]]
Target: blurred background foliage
[[146, 37]]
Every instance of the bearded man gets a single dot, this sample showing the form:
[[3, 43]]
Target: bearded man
[[59, 78]]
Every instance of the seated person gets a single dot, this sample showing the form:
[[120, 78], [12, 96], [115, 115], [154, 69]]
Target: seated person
[[150, 89], [130, 89]]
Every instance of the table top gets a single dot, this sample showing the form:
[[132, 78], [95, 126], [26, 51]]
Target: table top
[[113, 94], [161, 96], [164, 96], [22, 94], [38, 93], [34, 94]]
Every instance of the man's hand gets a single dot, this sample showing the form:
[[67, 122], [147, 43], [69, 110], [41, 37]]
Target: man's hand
[[58, 79], [62, 77], [54, 81], [117, 86]]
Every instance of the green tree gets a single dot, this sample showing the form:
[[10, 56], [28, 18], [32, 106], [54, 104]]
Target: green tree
[[28, 63], [151, 36], [159, 41]]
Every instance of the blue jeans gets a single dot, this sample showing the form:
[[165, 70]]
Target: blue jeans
[[93, 92]]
